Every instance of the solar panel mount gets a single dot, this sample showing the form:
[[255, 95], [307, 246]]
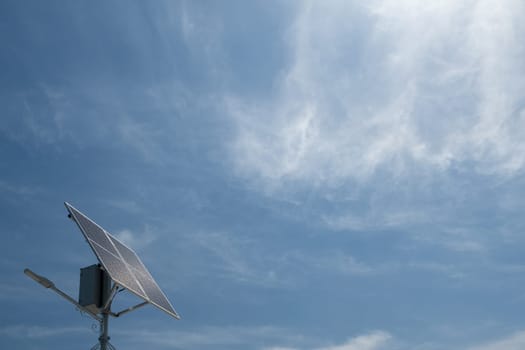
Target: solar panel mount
[[119, 268]]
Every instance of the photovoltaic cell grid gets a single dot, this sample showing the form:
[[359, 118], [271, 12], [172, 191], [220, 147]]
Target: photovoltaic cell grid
[[122, 263]]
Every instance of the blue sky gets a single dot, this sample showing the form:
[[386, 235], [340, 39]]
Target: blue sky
[[331, 175]]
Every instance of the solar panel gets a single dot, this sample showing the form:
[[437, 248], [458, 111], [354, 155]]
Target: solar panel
[[121, 263]]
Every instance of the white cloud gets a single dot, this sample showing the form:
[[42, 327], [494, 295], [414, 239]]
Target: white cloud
[[261, 336], [252, 337], [134, 239], [382, 340], [515, 341], [372, 341], [390, 86]]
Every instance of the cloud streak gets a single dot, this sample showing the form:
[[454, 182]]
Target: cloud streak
[[36, 332], [512, 342], [376, 340]]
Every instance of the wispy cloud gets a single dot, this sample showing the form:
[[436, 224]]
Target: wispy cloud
[[372, 219], [245, 261], [12, 291], [123, 204], [334, 261], [242, 261], [20, 190], [35, 332], [263, 337], [134, 239], [213, 336], [143, 138], [237, 260], [400, 85]]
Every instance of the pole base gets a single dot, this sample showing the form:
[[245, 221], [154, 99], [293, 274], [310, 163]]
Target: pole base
[[99, 347]]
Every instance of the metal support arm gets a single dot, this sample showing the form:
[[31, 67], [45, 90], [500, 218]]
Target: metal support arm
[[50, 285], [129, 309], [107, 304]]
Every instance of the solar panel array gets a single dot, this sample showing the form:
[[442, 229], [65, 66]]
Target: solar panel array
[[121, 263]]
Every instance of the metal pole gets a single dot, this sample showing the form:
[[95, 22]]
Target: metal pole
[[106, 304], [104, 337]]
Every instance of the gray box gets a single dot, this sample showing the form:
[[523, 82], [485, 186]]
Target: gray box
[[94, 288]]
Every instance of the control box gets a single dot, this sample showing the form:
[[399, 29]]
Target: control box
[[95, 286]]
